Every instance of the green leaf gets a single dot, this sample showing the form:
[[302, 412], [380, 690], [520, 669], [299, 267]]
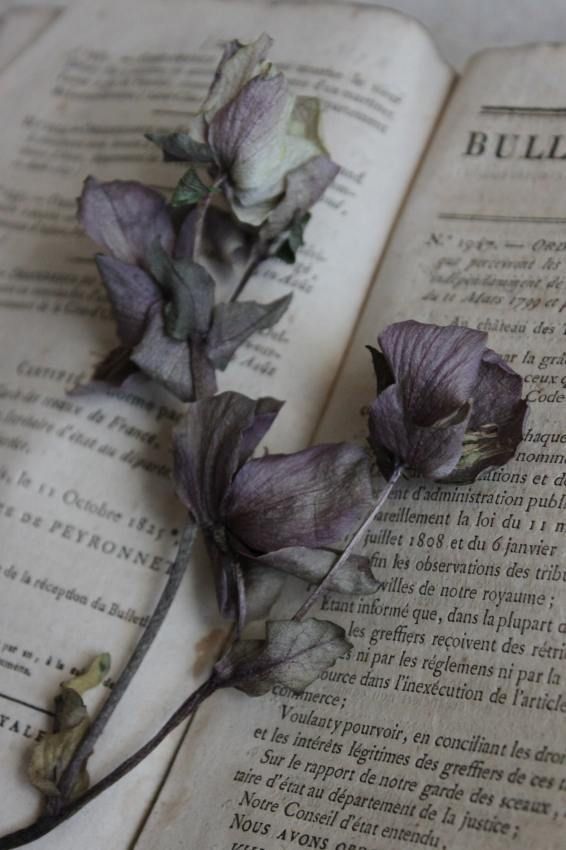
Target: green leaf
[[293, 654], [51, 755], [287, 251], [190, 190], [180, 147]]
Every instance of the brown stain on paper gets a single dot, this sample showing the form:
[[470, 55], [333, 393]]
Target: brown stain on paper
[[208, 649]]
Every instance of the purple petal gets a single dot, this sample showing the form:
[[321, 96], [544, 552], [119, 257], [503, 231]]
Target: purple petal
[[125, 217], [184, 246], [303, 187], [433, 451], [436, 368], [236, 67], [164, 359], [244, 132], [131, 292], [497, 392], [211, 441], [497, 421], [266, 410], [311, 498]]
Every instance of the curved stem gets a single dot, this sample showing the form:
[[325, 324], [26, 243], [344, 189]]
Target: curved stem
[[257, 257], [382, 498], [98, 725], [202, 371], [49, 822]]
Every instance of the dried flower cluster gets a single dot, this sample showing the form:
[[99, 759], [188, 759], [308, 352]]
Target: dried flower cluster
[[447, 407]]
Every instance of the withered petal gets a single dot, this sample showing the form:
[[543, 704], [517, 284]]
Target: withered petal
[[132, 292], [311, 498], [165, 360], [303, 187], [208, 446], [431, 450], [436, 368], [125, 217]]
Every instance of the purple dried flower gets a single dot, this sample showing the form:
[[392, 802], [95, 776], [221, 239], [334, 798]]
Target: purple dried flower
[[160, 297], [448, 407], [257, 135], [269, 516]]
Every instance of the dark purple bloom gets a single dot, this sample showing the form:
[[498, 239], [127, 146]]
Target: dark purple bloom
[[268, 516], [161, 297], [448, 407]]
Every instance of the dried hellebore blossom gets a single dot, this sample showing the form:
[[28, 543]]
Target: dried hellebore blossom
[[162, 300], [265, 517], [447, 407], [259, 141]]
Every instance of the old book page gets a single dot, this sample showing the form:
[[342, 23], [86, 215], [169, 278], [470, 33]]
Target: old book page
[[445, 727], [88, 519], [19, 27]]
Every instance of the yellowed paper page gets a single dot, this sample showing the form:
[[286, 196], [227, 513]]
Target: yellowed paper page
[[20, 26], [88, 518], [445, 728]]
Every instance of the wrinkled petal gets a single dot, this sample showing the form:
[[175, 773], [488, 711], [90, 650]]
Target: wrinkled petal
[[436, 368], [497, 421], [303, 187], [211, 441], [266, 410], [312, 565], [433, 450], [310, 498], [234, 322], [125, 218], [237, 66], [164, 359], [132, 292], [246, 135], [497, 393]]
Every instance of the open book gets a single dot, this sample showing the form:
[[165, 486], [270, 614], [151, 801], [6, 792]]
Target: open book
[[445, 727]]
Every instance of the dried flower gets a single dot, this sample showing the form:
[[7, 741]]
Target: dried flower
[[161, 299], [264, 142], [269, 516], [448, 407]]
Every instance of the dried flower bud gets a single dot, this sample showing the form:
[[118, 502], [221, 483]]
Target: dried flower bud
[[448, 407]]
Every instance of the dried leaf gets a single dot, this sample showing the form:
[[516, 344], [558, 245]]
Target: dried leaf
[[53, 753], [294, 240], [181, 147], [234, 322], [190, 190], [189, 290], [293, 654]]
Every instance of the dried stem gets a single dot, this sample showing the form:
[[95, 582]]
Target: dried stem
[[49, 822], [86, 746], [382, 498]]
